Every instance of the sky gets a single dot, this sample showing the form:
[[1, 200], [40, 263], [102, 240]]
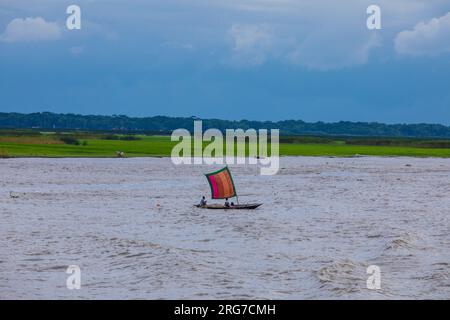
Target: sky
[[313, 60]]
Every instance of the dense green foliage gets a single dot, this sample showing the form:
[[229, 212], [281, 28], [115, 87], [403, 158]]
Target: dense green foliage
[[70, 140], [165, 125]]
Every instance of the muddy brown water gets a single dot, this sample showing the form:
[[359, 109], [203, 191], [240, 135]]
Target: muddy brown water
[[131, 226]]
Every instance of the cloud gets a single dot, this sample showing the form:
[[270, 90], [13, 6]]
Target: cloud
[[426, 39], [328, 50], [251, 43], [317, 35], [30, 29], [325, 49]]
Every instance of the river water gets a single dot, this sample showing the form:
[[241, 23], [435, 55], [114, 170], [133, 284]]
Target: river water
[[130, 226]]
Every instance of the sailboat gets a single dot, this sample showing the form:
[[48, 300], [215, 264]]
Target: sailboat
[[222, 187]]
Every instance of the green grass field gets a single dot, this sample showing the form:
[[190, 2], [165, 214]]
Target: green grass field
[[99, 145]]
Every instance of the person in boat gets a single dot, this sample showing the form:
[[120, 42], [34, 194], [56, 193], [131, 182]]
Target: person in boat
[[203, 201], [227, 203]]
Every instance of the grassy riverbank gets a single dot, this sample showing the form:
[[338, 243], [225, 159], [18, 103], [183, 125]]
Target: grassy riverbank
[[28, 143]]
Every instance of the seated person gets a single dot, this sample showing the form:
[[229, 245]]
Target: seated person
[[227, 204], [203, 201]]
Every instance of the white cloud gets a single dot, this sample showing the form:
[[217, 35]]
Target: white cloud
[[320, 35], [316, 35], [251, 43], [30, 29], [328, 50], [430, 38]]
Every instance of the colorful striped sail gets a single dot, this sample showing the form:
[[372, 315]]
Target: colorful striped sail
[[221, 183]]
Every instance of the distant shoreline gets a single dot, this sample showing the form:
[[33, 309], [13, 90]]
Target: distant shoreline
[[35, 144], [281, 156], [165, 125]]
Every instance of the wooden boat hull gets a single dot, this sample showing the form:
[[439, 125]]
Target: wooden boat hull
[[235, 207]]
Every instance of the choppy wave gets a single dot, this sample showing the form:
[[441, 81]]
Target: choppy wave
[[131, 227]]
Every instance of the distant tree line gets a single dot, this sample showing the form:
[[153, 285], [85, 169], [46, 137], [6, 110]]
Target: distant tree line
[[162, 124]]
